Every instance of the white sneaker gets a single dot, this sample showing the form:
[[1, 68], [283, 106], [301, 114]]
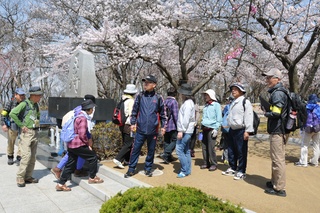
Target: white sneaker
[[229, 172], [239, 176], [300, 164], [118, 163]]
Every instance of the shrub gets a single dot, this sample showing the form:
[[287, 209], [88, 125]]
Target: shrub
[[172, 198], [107, 141]]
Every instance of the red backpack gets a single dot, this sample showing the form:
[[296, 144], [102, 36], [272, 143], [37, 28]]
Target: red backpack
[[119, 118]]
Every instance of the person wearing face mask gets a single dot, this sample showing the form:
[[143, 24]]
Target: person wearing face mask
[[81, 146], [78, 172]]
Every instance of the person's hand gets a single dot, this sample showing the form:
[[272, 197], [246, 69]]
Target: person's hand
[[5, 128], [214, 133], [179, 136], [24, 129], [246, 136], [163, 131], [133, 128]]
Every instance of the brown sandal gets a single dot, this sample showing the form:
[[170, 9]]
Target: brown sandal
[[96, 179], [62, 188]]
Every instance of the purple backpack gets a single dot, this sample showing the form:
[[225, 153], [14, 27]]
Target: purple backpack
[[313, 122]]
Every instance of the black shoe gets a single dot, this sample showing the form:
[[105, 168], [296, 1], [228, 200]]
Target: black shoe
[[161, 155], [281, 193], [21, 184], [148, 173], [269, 185], [165, 161], [128, 174], [10, 160]]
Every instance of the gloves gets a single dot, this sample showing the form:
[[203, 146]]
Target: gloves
[[214, 133]]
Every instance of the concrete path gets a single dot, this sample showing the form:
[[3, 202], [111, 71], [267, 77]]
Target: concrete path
[[41, 197]]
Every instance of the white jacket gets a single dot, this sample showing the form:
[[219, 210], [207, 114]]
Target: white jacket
[[186, 117], [238, 118]]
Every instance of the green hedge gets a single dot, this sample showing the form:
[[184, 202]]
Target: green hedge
[[172, 198]]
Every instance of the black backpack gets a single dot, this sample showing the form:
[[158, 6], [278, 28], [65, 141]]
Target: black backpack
[[297, 107], [119, 118], [256, 119]]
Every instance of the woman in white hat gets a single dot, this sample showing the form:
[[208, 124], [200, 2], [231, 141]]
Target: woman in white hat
[[127, 140], [210, 124]]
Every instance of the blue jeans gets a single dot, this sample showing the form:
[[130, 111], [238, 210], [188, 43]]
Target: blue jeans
[[136, 149], [237, 150], [183, 151], [64, 160]]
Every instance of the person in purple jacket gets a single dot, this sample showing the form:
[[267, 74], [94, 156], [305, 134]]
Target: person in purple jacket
[[170, 137]]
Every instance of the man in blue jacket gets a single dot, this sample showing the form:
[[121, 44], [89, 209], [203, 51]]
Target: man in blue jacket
[[147, 112]]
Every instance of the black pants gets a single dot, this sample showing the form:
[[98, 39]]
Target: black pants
[[170, 140], [193, 139], [124, 153], [85, 153]]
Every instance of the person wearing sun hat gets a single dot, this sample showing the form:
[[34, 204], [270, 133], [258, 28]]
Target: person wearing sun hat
[[127, 140], [9, 126], [81, 146], [185, 127], [29, 124], [210, 124], [240, 120]]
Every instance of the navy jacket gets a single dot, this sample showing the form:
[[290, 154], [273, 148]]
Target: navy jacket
[[147, 112]]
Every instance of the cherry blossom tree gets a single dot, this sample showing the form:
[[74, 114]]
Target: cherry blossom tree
[[288, 31]]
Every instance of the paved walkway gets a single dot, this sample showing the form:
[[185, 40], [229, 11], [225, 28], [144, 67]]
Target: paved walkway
[[41, 197]]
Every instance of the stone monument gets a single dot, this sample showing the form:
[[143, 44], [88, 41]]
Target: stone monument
[[82, 78]]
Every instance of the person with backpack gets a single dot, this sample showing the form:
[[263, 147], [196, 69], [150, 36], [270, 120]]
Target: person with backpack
[[127, 140], [78, 172], [225, 131], [80, 146], [277, 114], [210, 124], [146, 117], [170, 137], [311, 131], [240, 120], [27, 117], [185, 127], [10, 127]]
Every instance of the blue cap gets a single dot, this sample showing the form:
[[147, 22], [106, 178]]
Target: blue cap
[[313, 98], [20, 91]]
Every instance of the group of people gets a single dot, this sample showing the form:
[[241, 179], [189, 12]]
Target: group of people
[[179, 125], [147, 112]]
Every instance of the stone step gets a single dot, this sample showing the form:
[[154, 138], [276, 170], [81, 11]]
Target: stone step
[[114, 182]]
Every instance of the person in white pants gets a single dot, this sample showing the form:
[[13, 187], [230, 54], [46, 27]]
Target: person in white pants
[[310, 133]]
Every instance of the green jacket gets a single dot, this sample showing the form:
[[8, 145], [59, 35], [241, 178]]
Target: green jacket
[[26, 114]]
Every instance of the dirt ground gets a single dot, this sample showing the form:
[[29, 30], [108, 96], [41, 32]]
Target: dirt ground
[[303, 184]]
